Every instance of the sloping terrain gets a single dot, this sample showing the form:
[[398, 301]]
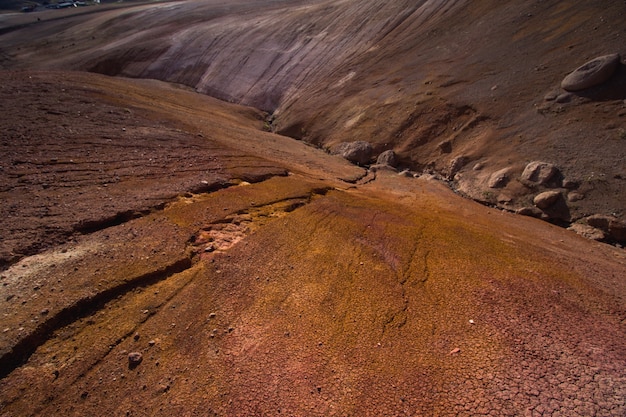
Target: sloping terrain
[[165, 253], [448, 85]]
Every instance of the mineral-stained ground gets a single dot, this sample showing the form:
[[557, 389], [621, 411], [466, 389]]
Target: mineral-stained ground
[[164, 251]]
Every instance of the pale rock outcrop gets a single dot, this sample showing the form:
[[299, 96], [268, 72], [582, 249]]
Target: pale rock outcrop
[[592, 73], [539, 172], [587, 231], [358, 152], [546, 199]]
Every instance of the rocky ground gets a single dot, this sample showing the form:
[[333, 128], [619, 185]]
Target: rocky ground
[[165, 253]]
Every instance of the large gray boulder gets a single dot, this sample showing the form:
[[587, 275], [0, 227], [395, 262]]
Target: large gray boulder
[[592, 73], [358, 152], [539, 172]]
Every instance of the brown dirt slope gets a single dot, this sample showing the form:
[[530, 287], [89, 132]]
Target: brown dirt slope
[[299, 294], [403, 75]]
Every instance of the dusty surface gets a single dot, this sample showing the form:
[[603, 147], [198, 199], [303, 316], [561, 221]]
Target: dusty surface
[[258, 275], [482, 76]]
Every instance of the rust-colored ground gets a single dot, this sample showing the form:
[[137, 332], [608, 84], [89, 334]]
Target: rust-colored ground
[[259, 276], [278, 288]]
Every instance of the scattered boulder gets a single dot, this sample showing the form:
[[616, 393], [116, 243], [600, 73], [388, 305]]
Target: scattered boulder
[[499, 178], [387, 158], [613, 228], [547, 199], [358, 152], [587, 231], [539, 172], [592, 73]]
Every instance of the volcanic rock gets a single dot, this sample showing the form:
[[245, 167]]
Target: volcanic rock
[[592, 73], [358, 152], [546, 199]]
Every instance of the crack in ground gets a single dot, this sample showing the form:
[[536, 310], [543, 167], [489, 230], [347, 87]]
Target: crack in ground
[[399, 317], [25, 347], [219, 236]]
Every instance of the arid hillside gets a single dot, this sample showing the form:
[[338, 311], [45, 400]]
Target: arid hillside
[[467, 90], [259, 208]]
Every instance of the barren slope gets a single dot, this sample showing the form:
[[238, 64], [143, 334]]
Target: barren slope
[[401, 75], [253, 274], [296, 295]]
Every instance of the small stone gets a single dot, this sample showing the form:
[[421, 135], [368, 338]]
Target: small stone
[[134, 359], [455, 351], [574, 196], [136, 337], [151, 343], [529, 211], [564, 98], [212, 315], [44, 312]]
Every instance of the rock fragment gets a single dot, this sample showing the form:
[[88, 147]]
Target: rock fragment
[[587, 231], [457, 163], [529, 211], [592, 73], [134, 359], [539, 172], [546, 199], [499, 178]]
